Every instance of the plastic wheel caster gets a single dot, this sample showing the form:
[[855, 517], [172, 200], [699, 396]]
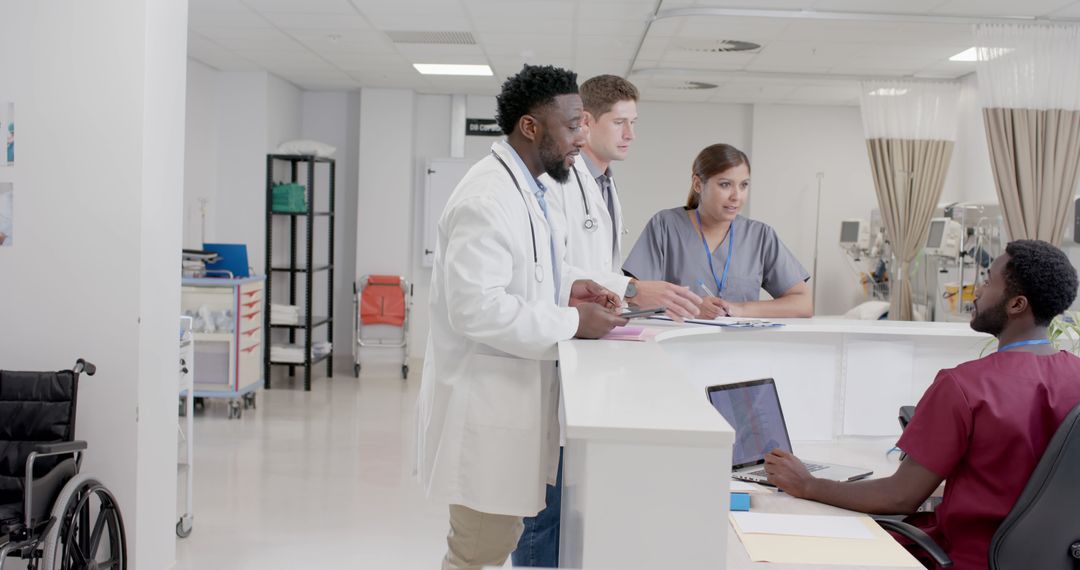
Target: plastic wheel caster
[[356, 370], [404, 371], [181, 530]]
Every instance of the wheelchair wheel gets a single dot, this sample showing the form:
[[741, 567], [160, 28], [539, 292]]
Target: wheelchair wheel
[[88, 532]]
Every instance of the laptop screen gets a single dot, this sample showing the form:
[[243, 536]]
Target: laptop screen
[[753, 410]]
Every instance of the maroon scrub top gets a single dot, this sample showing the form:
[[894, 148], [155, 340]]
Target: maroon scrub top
[[983, 426]]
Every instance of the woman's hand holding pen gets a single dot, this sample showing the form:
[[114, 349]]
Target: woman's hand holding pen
[[712, 307]]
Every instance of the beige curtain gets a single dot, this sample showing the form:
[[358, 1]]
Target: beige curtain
[[1035, 156], [908, 177]]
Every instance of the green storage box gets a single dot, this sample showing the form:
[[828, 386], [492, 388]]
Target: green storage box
[[289, 197]]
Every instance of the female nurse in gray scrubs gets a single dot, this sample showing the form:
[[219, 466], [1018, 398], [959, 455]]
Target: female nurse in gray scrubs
[[724, 257]]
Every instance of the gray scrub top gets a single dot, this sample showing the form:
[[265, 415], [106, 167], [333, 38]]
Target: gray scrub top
[[670, 249]]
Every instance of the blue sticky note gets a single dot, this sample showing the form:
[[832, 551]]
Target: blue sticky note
[[740, 501]]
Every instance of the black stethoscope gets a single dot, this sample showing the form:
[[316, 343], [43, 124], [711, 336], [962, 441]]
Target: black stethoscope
[[538, 270], [591, 223]]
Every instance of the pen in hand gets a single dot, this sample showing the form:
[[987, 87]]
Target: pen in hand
[[703, 287]]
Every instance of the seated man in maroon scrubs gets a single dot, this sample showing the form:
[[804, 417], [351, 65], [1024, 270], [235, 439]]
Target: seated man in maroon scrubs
[[983, 425]]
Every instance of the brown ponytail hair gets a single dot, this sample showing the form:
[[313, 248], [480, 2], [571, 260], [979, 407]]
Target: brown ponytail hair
[[713, 160]]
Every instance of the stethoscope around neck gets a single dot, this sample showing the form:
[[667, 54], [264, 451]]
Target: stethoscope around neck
[[591, 223], [538, 270]]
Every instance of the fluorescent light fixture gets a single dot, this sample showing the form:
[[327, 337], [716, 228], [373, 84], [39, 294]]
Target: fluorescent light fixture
[[888, 92], [452, 69], [967, 55], [971, 54]]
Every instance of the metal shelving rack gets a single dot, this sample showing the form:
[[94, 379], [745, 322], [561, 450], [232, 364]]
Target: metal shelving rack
[[308, 322]]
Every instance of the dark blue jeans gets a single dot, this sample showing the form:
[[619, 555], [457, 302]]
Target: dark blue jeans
[[539, 544]]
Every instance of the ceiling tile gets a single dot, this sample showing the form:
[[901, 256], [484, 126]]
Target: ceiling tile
[[883, 6], [303, 21], [426, 15], [604, 27], [1001, 7], [265, 32], [308, 6], [1070, 11], [346, 41], [511, 44], [728, 28], [281, 43], [208, 19], [627, 10], [436, 53]]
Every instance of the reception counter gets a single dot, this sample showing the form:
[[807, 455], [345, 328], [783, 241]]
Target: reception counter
[[647, 459]]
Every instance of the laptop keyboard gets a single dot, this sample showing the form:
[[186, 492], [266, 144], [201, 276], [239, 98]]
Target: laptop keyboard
[[811, 467]]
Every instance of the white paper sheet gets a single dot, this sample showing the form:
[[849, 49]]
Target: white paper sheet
[[802, 525]]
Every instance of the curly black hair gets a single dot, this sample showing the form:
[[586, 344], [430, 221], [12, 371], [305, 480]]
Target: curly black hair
[[1043, 274], [533, 87]]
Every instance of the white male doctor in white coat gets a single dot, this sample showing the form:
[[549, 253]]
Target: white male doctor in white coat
[[588, 221], [488, 431]]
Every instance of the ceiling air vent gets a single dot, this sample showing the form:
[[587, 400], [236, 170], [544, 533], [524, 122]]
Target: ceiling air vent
[[716, 46], [421, 37]]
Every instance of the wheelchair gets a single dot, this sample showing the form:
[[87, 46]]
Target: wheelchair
[[51, 515]]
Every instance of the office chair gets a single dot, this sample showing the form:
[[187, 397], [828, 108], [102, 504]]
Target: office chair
[[1042, 530]]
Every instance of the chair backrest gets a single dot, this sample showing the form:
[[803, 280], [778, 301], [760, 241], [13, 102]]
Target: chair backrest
[[382, 301], [35, 408], [1045, 521]]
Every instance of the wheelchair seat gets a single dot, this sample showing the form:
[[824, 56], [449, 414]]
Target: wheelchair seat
[[39, 473]]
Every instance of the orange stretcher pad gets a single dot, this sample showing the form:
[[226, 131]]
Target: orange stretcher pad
[[382, 301]]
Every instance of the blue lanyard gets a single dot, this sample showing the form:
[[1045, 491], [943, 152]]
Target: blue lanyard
[[708, 254], [1023, 343]]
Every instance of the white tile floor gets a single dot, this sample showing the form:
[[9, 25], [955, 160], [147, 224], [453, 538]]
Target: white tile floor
[[313, 480]]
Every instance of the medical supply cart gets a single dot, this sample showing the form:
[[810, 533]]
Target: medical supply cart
[[297, 192], [228, 335], [186, 429], [381, 308]]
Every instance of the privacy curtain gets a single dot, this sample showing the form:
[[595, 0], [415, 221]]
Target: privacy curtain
[[910, 131], [1029, 85]]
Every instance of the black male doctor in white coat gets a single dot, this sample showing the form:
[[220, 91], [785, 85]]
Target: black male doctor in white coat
[[488, 432]]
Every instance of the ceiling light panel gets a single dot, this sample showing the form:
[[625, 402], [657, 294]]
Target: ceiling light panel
[[453, 69]]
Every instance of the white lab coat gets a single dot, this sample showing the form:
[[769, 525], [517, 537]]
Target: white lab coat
[[589, 254], [487, 430]]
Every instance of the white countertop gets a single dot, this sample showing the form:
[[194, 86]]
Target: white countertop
[[631, 391], [634, 391]]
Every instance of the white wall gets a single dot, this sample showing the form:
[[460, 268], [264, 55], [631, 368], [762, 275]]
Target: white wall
[[330, 117], [200, 152], [98, 211], [238, 211], [385, 192], [792, 144], [656, 173]]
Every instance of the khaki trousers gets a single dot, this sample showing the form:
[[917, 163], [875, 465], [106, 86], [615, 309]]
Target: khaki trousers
[[479, 539]]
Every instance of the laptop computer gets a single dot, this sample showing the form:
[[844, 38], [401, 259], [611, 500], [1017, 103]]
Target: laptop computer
[[753, 410]]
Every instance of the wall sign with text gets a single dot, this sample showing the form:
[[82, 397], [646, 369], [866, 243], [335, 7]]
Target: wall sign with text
[[482, 128]]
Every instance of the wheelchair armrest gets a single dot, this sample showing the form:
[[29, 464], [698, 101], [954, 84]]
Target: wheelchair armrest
[[916, 535], [59, 448]]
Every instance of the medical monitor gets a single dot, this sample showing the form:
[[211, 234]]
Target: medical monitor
[[944, 238], [855, 233], [937, 232], [753, 410]]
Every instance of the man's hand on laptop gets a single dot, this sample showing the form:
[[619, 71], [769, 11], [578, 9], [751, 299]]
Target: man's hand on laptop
[[788, 474]]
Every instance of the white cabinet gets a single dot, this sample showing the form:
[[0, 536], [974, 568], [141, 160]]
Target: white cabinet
[[228, 332]]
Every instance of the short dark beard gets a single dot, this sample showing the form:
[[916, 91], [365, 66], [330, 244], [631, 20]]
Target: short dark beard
[[553, 163], [990, 320]]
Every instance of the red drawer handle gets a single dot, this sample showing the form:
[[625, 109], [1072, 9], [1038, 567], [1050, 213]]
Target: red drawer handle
[[250, 332], [251, 304], [255, 292], [251, 348], [251, 314]]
